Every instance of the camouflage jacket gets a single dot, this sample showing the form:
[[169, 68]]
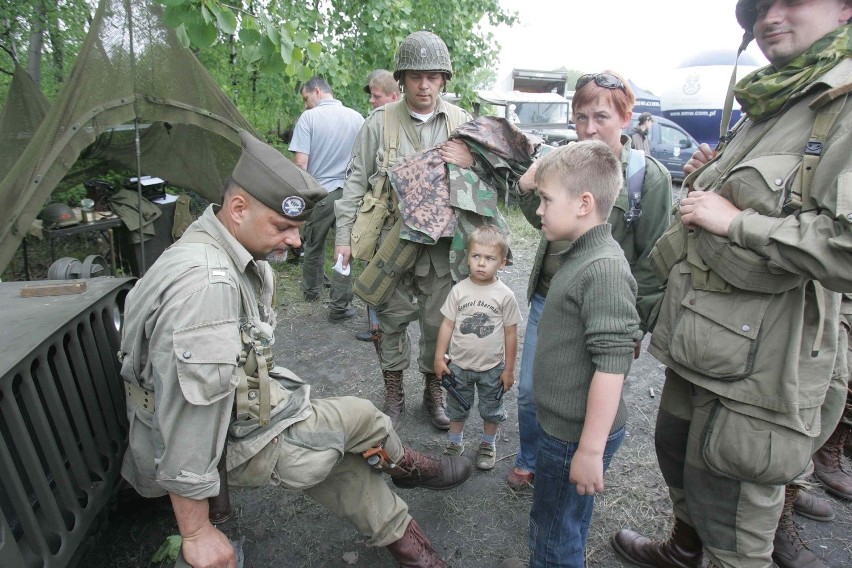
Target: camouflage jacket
[[442, 200]]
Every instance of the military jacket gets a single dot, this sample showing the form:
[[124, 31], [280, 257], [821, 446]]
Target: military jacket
[[365, 167], [764, 334], [636, 240], [182, 341]]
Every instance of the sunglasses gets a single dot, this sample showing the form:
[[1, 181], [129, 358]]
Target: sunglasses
[[604, 80]]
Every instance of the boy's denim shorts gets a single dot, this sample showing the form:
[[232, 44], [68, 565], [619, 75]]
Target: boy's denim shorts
[[487, 384]]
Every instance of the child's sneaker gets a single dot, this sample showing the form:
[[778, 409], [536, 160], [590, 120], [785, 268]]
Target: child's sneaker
[[454, 449], [485, 456]]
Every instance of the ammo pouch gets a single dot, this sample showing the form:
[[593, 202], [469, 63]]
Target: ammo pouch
[[751, 449], [393, 259], [369, 222]]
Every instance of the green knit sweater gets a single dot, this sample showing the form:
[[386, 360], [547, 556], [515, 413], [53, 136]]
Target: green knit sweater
[[588, 323]]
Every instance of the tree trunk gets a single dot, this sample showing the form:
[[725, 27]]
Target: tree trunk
[[55, 36], [36, 44]]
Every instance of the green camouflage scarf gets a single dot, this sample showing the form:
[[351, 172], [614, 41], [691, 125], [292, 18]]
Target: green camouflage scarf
[[763, 92]]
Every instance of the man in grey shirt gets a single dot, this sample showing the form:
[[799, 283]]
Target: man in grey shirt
[[322, 142]]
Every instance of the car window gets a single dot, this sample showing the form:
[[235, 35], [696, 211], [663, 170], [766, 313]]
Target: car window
[[673, 137]]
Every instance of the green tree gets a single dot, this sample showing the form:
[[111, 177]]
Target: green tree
[[276, 45], [44, 36]]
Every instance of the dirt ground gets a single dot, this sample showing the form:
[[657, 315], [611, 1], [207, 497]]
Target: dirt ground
[[473, 526]]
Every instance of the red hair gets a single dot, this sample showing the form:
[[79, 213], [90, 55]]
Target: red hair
[[622, 100]]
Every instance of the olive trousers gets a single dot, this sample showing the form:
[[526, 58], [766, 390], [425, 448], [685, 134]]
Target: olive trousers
[[321, 456]]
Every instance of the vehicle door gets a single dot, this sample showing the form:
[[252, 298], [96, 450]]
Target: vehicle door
[[672, 146]]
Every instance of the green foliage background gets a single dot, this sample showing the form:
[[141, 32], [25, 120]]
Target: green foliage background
[[262, 51]]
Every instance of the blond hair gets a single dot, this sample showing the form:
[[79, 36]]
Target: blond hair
[[489, 236], [584, 166]]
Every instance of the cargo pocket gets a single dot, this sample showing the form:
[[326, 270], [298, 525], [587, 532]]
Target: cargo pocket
[[752, 450], [206, 357], [716, 333], [762, 183]]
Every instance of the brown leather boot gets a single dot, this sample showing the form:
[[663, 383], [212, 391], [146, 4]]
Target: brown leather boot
[[809, 505], [394, 396], [829, 465], [420, 470], [433, 401], [789, 549], [414, 550], [682, 550]]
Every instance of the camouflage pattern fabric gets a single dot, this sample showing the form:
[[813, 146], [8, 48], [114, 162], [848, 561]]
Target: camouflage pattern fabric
[[442, 200], [763, 92]]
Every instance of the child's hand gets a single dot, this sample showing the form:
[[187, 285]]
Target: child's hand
[[441, 368], [507, 378], [587, 472]]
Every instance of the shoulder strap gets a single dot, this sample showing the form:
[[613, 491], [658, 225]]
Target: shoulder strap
[[829, 105], [635, 181], [455, 118]]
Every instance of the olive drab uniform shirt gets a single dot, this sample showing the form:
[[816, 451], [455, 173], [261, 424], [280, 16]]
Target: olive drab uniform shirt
[[754, 317], [365, 167], [184, 340]]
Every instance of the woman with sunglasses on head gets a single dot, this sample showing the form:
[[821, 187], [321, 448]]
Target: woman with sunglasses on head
[[603, 107]]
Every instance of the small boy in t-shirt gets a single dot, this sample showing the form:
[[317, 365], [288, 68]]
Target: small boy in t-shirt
[[478, 342], [586, 336]]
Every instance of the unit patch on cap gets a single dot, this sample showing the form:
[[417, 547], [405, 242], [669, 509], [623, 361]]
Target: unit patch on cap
[[293, 206]]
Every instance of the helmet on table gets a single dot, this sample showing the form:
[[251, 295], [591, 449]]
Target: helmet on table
[[57, 215]]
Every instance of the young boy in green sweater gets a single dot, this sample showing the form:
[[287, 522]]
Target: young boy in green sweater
[[585, 346]]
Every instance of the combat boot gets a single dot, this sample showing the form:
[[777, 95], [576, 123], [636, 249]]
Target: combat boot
[[789, 549], [419, 470], [829, 465], [394, 396], [414, 550], [812, 507], [683, 549], [433, 401]]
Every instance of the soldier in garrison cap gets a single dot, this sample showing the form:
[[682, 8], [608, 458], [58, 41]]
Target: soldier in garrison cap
[[421, 120], [201, 382], [749, 327]]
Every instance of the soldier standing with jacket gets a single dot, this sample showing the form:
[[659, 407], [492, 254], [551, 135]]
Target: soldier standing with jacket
[[423, 120], [749, 327], [198, 370]]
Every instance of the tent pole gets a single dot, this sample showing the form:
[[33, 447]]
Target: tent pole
[[129, 8]]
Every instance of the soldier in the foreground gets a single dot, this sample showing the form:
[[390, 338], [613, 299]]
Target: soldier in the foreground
[[198, 370], [748, 327]]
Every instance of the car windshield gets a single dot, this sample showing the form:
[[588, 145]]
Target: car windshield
[[542, 113]]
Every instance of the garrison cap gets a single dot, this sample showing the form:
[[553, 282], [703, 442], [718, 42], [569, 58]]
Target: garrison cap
[[275, 181]]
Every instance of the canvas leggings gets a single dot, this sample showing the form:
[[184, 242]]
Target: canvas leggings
[[321, 456]]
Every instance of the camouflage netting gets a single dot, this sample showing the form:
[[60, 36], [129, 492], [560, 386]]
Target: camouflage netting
[[131, 69], [21, 116]]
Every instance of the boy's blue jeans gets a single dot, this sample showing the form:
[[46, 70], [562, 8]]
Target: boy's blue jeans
[[560, 517], [527, 423]]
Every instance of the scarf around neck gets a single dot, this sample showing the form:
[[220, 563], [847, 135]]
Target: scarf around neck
[[763, 92]]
